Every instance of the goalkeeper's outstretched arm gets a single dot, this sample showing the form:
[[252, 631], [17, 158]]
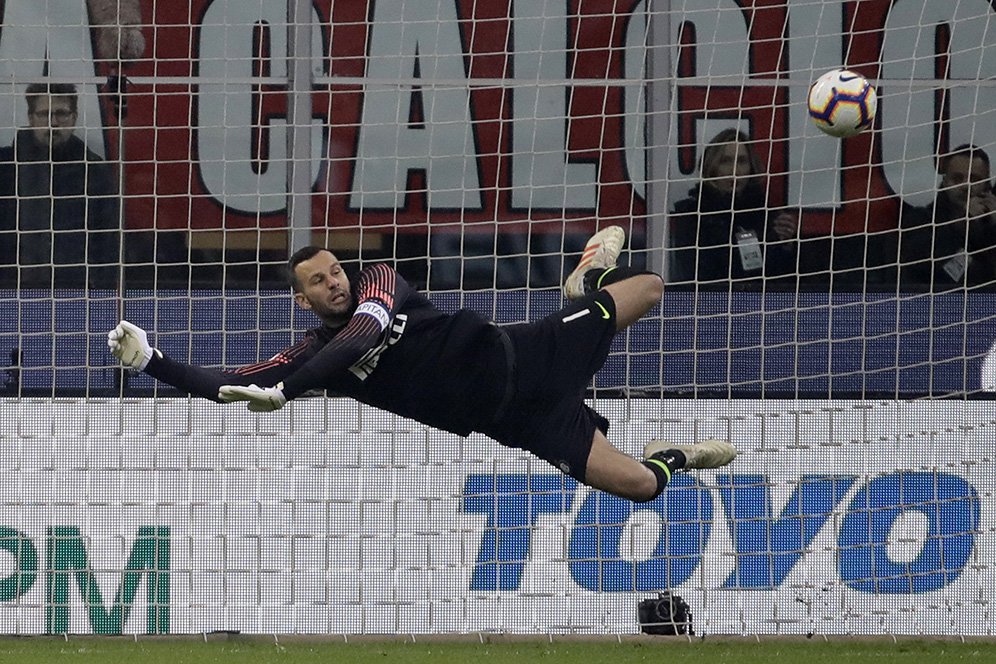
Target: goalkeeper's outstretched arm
[[379, 294], [129, 343], [305, 366]]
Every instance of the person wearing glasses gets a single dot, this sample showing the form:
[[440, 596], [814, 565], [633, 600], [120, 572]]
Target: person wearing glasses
[[59, 222]]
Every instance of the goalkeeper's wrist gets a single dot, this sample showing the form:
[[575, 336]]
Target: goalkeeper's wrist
[[148, 355], [289, 392]]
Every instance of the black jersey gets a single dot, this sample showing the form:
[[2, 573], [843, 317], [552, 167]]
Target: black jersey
[[397, 352]]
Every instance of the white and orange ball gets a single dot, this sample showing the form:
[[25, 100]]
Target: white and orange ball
[[842, 103]]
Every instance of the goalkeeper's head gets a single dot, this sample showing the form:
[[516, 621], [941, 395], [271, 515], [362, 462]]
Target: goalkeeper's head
[[321, 285]]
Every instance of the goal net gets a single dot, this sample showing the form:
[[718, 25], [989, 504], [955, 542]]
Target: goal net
[[828, 309]]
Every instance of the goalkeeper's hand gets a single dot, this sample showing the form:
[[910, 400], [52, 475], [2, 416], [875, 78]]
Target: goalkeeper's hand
[[130, 344], [259, 399]]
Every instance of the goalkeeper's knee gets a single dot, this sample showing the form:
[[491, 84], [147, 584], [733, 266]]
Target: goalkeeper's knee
[[598, 278]]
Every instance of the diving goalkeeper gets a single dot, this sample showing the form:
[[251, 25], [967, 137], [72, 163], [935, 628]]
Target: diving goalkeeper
[[384, 344]]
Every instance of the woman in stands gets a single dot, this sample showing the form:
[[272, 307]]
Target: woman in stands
[[723, 234]]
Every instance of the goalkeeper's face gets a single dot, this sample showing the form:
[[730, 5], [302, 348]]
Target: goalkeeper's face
[[323, 287]]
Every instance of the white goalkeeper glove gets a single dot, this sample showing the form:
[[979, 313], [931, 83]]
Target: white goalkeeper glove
[[130, 344], [259, 399]]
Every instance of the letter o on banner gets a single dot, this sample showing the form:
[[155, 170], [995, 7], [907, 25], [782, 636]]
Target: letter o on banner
[[951, 507], [596, 563]]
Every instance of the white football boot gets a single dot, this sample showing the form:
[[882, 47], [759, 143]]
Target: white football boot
[[601, 251], [704, 454]]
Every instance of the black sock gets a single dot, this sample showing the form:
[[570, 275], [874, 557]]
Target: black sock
[[599, 278], [662, 465]]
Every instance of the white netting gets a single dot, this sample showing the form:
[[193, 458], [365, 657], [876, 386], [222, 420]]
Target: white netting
[[475, 146]]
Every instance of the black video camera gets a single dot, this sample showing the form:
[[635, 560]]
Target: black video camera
[[666, 614]]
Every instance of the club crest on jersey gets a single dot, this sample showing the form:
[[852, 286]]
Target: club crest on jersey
[[366, 364]]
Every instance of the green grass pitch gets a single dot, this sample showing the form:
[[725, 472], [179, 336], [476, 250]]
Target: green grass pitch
[[437, 650]]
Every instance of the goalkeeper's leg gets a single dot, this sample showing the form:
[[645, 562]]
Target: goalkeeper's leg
[[634, 292], [599, 256], [610, 470]]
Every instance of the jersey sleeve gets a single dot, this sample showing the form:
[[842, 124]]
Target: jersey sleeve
[[204, 382], [380, 292]]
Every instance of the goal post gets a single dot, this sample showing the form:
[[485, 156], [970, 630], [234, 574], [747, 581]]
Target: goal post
[[847, 348]]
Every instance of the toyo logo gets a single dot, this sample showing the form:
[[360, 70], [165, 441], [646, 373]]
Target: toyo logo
[[67, 563], [939, 512]]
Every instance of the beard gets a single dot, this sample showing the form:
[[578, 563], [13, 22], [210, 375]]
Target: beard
[[336, 311]]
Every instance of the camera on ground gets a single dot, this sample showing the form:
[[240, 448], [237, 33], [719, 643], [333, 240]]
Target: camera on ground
[[665, 614]]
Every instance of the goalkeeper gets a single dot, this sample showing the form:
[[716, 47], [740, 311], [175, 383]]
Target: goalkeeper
[[384, 344]]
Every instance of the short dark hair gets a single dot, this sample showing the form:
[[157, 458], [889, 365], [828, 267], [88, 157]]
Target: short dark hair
[[964, 150], [299, 256], [36, 91]]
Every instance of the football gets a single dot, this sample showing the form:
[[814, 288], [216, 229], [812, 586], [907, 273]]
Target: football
[[842, 103]]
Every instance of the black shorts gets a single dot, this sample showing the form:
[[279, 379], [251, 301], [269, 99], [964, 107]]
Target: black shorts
[[555, 359]]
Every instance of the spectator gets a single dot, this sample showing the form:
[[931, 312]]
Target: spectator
[[723, 233], [58, 206], [952, 242]]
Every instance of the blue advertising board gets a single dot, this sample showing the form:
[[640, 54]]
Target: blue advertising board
[[810, 344]]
